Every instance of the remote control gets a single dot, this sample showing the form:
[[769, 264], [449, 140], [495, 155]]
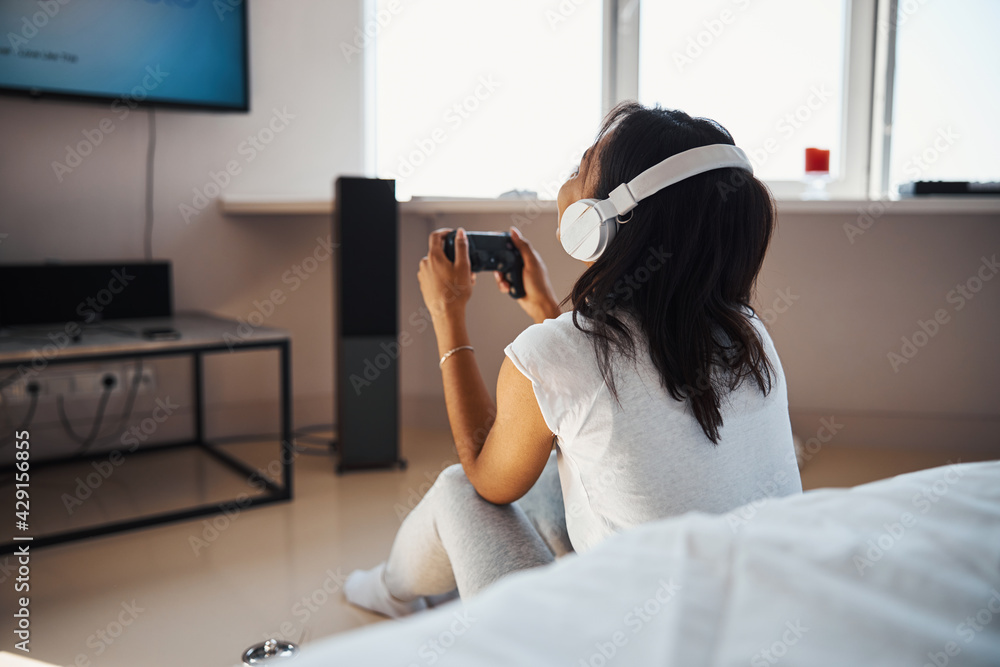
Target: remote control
[[492, 251]]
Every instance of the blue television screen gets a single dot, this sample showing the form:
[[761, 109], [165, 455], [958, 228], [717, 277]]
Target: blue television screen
[[172, 52]]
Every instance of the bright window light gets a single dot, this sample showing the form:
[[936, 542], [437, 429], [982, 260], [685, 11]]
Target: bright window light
[[473, 99], [946, 99], [772, 73]]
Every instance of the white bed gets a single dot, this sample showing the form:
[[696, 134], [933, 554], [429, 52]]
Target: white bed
[[897, 572]]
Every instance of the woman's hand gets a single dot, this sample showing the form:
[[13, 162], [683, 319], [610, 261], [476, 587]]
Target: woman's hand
[[539, 300], [446, 287]]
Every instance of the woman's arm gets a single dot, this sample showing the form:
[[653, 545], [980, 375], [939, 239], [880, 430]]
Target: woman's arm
[[502, 448]]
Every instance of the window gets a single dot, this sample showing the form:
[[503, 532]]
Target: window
[[944, 131], [473, 99], [751, 66]]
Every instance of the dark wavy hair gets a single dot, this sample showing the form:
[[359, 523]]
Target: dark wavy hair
[[692, 308]]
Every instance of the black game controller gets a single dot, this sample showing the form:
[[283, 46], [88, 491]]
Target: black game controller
[[492, 251]]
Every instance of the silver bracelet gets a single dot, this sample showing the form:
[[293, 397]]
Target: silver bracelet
[[453, 351]]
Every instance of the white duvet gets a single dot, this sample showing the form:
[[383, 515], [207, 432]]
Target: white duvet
[[904, 571]]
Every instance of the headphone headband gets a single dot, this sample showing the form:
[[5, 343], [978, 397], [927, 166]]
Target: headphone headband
[[585, 233]]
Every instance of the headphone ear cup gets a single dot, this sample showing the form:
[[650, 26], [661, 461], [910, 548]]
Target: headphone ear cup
[[582, 232]]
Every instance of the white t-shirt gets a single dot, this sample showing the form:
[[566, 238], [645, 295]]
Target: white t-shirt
[[648, 458]]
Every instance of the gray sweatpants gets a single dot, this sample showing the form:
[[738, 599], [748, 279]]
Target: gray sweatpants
[[454, 538]]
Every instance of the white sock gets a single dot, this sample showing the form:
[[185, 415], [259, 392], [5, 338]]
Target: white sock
[[367, 589]]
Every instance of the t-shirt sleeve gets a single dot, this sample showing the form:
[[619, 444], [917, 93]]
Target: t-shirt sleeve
[[549, 355]]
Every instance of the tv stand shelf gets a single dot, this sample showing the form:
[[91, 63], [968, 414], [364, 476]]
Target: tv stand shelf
[[23, 350]]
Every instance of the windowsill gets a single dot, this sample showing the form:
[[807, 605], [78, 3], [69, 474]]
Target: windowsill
[[259, 205]]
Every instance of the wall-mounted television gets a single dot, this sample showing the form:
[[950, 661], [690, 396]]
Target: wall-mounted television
[[185, 53]]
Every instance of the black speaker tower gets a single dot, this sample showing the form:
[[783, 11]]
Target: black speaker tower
[[366, 322]]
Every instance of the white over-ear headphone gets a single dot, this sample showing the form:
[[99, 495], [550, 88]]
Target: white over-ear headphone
[[587, 226]]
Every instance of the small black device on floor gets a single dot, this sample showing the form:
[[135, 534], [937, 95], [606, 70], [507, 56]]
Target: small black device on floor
[[492, 251], [950, 188]]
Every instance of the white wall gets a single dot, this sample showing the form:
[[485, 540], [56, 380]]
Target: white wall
[[220, 264], [854, 303]]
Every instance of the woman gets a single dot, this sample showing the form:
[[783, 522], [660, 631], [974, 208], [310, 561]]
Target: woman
[[661, 390]]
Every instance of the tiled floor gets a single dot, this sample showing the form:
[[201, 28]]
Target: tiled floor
[[207, 592]]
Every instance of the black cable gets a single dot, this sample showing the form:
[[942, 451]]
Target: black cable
[[303, 433], [322, 439], [98, 418], [34, 390], [130, 397], [312, 451], [328, 445], [316, 427], [150, 155], [26, 422]]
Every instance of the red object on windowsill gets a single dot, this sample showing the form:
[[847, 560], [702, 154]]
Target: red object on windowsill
[[817, 161]]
